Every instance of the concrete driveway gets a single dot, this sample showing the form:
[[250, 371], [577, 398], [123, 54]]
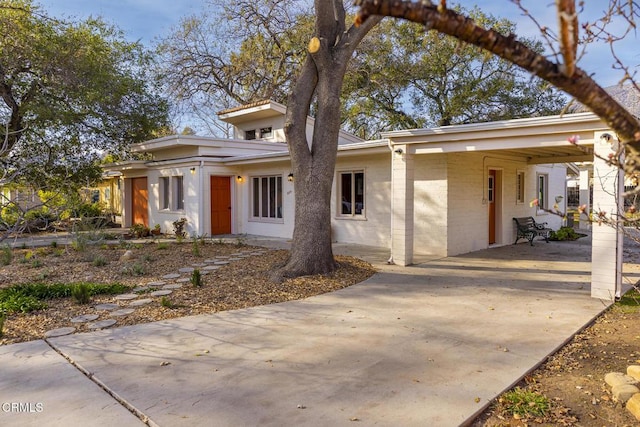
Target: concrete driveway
[[430, 345]]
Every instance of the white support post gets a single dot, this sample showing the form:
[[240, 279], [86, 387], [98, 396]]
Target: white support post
[[584, 199], [401, 205], [607, 239]]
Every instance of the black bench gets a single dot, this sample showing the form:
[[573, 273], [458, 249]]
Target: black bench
[[528, 228]]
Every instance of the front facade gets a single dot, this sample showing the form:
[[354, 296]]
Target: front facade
[[443, 191]]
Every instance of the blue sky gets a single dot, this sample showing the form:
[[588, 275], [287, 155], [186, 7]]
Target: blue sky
[[146, 20]]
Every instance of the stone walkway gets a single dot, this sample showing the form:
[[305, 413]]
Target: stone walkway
[[148, 293]]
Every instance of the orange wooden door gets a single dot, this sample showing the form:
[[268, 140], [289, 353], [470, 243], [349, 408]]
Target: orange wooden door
[[491, 198], [220, 205], [139, 201]]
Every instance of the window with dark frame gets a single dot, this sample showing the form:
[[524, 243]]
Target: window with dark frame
[[351, 193], [267, 197]]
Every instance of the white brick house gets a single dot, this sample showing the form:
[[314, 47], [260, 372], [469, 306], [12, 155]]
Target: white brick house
[[442, 191]]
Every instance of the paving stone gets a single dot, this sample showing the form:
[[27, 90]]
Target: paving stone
[[108, 306], [122, 312], [235, 259], [171, 276], [198, 265], [161, 293], [209, 261], [138, 303], [126, 297], [222, 257], [617, 378], [237, 254], [186, 270], [172, 286], [140, 289], [623, 392], [157, 284], [183, 280], [59, 332], [634, 371], [633, 406], [204, 273], [101, 324], [211, 268], [221, 263], [84, 318]]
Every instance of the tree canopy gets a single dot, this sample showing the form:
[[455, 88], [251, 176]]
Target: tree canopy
[[69, 91], [399, 77]]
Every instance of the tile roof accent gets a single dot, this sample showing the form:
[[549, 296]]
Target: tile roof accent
[[244, 107]]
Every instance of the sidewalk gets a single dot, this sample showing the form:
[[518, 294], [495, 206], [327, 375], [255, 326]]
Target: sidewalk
[[431, 344]]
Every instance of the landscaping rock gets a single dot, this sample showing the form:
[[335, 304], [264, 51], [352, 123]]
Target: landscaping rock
[[101, 324], [623, 392], [140, 302], [633, 406], [59, 332], [84, 318], [122, 312], [172, 286], [183, 280], [157, 284], [128, 255], [211, 267], [107, 306], [634, 371], [617, 378], [221, 262], [126, 297], [140, 289], [161, 293], [186, 270], [171, 276]]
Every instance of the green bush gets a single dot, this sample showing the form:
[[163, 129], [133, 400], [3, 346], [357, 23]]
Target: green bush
[[3, 317], [196, 278], [31, 296], [564, 233], [81, 293], [6, 256]]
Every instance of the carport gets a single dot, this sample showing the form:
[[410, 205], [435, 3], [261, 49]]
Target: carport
[[514, 150]]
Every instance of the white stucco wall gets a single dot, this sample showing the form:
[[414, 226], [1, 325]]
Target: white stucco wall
[[374, 229], [245, 224], [430, 195]]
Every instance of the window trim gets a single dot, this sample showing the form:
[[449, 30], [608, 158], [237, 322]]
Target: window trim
[[339, 196], [520, 186], [261, 204], [171, 193], [542, 194]]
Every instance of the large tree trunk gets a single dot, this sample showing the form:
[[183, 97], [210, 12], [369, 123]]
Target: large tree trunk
[[313, 164]]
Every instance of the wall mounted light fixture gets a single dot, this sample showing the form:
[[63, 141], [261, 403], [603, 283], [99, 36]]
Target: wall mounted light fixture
[[193, 171], [239, 178], [398, 151], [290, 177]]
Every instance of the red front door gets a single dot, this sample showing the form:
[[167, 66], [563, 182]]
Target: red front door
[[139, 201], [220, 205]]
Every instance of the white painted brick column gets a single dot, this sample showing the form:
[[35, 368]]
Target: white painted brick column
[[584, 199], [402, 205], [606, 250]]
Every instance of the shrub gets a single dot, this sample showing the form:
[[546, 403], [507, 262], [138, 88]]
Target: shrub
[[6, 256], [3, 317], [139, 230], [196, 278], [99, 261], [81, 293], [178, 227], [564, 233], [166, 302]]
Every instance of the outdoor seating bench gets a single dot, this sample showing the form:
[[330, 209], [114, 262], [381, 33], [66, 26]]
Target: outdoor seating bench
[[528, 228]]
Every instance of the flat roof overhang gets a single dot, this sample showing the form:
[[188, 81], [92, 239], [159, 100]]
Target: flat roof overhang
[[537, 140]]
